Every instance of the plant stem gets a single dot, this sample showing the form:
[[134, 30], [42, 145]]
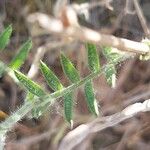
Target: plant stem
[[46, 101], [11, 121]]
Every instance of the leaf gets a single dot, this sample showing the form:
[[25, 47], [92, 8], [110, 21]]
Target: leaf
[[5, 36], [69, 69], [55, 84], [110, 55], [110, 73], [90, 98], [68, 107], [31, 86], [94, 65], [50, 77], [93, 58], [73, 76], [19, 59]]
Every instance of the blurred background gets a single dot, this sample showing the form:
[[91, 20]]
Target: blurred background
[[116, 17]]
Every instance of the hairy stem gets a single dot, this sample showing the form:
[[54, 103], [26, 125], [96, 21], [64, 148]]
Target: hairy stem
[[47, 100]]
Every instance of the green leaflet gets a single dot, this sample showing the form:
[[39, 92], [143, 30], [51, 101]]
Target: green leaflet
[[19, 59], [68, 107], [90, 98], [5, 36], [110, 55], [50, 77], [94, 65], [107, 52], [93, 58], [110, 73], [69, 69], [73, 76], [29, 84], [55, 84]]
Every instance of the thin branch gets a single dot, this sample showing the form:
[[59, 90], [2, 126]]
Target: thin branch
[[85, 6], [35, 65], [141, 18], [59, 6], [129, 7], [84, 34], [79, 134]]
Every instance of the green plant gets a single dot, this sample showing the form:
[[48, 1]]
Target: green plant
[[38, 100]]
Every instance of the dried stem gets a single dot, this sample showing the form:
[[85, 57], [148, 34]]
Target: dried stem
[[141, 18], [84, 34], [79, 134]]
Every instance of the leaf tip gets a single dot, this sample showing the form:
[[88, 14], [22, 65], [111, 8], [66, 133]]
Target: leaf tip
[[71, 124], [42, 63], [9, 27], [29, 42]]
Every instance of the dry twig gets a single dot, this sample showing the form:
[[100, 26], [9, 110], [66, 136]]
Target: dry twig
[[84, 34], [141, 18], [79, 134], [84, 6]]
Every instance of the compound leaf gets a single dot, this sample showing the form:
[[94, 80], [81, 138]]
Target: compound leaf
[[55, 84]]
